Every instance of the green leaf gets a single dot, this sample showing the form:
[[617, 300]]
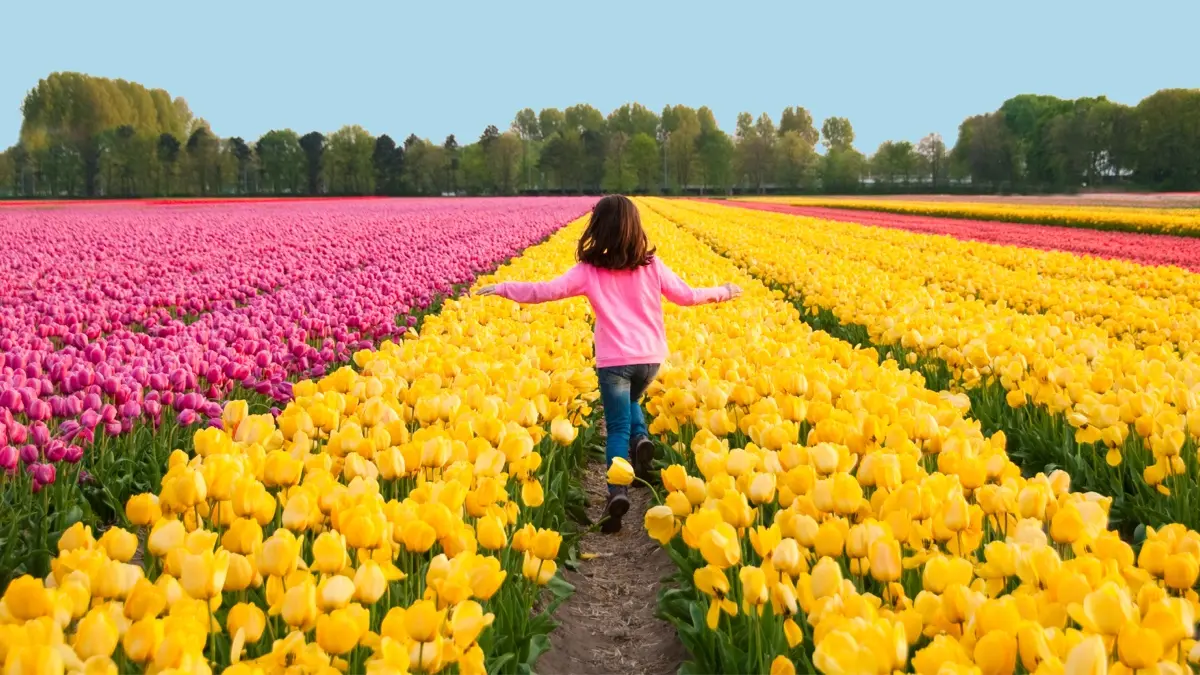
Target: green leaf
[[540, 644]]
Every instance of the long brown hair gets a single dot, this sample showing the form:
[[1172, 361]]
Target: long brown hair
[[614, 238]]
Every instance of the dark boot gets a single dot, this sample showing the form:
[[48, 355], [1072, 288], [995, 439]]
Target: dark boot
[[614, 509], [641, 456]]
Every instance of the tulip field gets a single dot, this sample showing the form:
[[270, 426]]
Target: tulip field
[[273, 437]]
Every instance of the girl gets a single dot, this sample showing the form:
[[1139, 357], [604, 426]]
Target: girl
[[624, 282]]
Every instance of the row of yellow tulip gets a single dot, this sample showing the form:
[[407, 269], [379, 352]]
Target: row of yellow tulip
[[401, 516], [1122, 417], [1120, 218], [813, 532]]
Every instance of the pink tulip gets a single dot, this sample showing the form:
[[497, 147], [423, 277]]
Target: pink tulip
[[29, 454], [39, 434], [8, 458], [44, 474]]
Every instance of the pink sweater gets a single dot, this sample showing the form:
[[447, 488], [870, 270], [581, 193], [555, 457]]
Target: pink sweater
[[627, 303]]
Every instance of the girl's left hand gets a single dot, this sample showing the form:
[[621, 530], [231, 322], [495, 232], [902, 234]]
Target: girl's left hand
[[486, 290]]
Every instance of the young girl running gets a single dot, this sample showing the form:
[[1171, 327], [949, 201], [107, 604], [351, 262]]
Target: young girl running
[[624, 282]]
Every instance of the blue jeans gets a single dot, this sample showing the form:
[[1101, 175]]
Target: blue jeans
[[621, 389]]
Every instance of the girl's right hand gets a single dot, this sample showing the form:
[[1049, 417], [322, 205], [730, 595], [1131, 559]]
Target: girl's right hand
[[734, 290], [486, 290]]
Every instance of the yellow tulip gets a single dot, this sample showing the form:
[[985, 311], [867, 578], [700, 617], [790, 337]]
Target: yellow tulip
[[143, 509], [826, 578], [562, 431], [280, 554], [370, 583], [719, 546], [337, 632], [26, 598], [762, 488], [1105, 611], [538, 570], [142, 639], [829, 539], [329, 553], [678, 504], [334, 592], [491, 534], [299, 608], [1181, 570], [97, 635], [754, 587], [145, 600], [363, 526], [545, 544], [165, 536], [782, 665], [620, 472], [423, 621], [885, 560], [1088, 657], [243, 536], [77, 536], [532, 494], [247, 619], [204, 574], [996, 653], [674, 478], [661, 524], [1139, 647], [281, 469], [467, 621], [418, 536]]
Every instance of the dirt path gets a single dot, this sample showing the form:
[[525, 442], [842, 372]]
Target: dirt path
[[609, 625]]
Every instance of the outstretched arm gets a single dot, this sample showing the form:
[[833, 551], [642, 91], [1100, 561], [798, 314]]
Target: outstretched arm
[[568, 285], [677, 291]]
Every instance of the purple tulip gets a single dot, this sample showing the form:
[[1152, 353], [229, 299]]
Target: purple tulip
[[187, 417], [29, 454], [89, 419], [92, 401], [73, 454], [109, 412], [17, 433], [153, 407], [112, 428]]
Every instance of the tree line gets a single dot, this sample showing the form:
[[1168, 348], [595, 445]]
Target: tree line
[[89, 136]]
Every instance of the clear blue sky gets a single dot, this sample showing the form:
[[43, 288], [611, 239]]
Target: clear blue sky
[[897, 70]]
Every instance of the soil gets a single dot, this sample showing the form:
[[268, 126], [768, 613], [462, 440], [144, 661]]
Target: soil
[[610, 625]]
